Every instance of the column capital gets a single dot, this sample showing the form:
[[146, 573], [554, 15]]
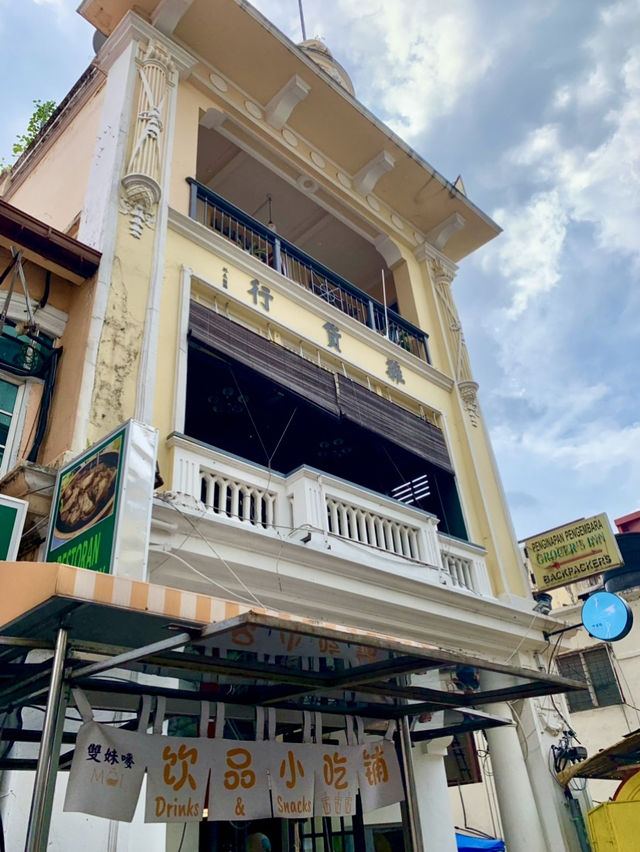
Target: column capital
[[132, 28], [439, 265], [437, 747]]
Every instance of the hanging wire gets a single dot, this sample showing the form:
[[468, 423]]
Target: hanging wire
[[227, 591], [233, 573]]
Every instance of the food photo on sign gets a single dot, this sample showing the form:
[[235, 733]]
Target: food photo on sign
[[86, 503]]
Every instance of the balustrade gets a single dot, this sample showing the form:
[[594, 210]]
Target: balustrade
[[242, 493], [252, 236]]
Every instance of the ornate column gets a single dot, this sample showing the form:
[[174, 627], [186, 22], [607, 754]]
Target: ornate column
[[442, 272], [141, 189]]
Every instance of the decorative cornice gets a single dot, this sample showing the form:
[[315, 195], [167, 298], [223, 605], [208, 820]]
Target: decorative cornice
[[365, 180], [133, 28], [442, 233], [168, 14], [429, 253], [281, 105]]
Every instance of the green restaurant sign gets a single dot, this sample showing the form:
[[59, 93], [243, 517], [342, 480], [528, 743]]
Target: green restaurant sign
[[87, 518]]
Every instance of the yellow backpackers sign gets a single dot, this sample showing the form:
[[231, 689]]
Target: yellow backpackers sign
[[573, 552]]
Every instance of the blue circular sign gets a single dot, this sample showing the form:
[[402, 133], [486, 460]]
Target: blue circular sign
[[607, 616]]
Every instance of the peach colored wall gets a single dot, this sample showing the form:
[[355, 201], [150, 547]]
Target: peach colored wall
[[76, 301], [62, 415], [35, 390], [54, 189]]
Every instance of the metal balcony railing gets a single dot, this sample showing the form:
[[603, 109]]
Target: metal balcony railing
[[252, 236]]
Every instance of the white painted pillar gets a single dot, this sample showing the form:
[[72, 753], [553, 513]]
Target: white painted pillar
[[521, 822], [541, 727], [432, 794]]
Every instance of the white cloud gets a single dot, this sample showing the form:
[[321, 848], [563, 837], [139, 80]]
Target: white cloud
[[528, 257], [412, 62], [422, 59], [574, 184], [600, 186]]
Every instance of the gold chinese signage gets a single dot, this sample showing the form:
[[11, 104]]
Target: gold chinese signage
[[573, 552], [190, 778]]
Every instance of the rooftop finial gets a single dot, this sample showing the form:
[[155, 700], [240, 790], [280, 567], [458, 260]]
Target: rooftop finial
[[302, 26]]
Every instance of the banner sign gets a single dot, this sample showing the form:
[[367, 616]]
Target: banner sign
[[336, 780], [231, 779], [102, 504], [275, 643], [177, 774], [240, 773], [573, 552], [107, 771], [12, 517]]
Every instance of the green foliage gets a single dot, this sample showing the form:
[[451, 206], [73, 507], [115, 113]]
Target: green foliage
[[41, 115]]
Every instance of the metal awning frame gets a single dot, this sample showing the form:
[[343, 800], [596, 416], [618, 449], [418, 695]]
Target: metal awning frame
[[185, 655]]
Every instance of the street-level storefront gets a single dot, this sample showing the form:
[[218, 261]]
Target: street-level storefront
[[268, 731]]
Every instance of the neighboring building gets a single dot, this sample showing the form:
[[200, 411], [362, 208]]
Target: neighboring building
[[275, 297], [609, 708], [48, 279]]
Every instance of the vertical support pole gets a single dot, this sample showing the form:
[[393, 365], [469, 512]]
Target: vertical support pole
[[425, 343], [410, 806], [193, 201], [48, 755], [277, 260], [371, 315]]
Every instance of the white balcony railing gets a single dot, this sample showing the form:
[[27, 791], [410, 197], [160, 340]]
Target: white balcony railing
[[464, 565], [239, 492]]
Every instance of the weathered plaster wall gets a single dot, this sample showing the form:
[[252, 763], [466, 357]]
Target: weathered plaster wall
[[113, 399], [54, 189]]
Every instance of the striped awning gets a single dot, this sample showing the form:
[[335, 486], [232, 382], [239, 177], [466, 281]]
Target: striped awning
[[36, 596]]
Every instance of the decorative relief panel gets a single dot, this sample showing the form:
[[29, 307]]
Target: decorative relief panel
[[442, 276], [141, 184]]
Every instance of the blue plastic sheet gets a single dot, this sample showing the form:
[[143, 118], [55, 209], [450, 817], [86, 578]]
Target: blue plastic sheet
[[467, 843]]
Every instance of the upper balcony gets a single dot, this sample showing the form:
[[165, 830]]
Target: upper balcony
[[325, 512], [263, 243]]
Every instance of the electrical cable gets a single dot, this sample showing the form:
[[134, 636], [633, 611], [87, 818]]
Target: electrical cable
[[523, 639], [233, 573], [227, 591], [555, 707], [554, 651]]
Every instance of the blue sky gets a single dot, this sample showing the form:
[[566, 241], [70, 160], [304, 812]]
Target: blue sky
[[537, 105]]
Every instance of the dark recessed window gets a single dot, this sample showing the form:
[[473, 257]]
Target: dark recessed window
[[595, 669]]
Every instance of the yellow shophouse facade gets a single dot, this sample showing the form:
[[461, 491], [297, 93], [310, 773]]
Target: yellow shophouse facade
[[275, 298]]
